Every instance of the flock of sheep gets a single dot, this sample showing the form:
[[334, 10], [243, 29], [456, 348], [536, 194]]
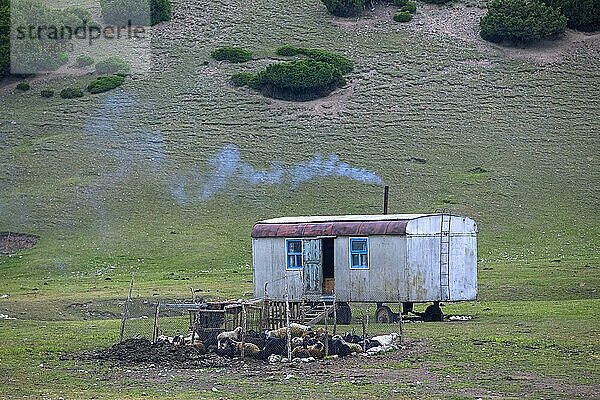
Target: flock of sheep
[[307, 344]]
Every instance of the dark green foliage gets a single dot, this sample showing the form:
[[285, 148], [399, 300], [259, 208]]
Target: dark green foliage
[[71, 93], [400, 3], [47, 93], [45, 51], [410, 7], [437, 1], [84, 61], [81, 13], [112, 65], [244, 79], [4, 38], [231, 54], [521, 21], [23, 86], [120, 12], [344, 8], [402, 16], [344, 64], [105, 83], [139, 12], [160, 10], [299, 80], [583, 15]]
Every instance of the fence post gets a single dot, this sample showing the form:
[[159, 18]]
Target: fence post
[[400, 320], [334, 315], [126, 310], [155, 330], [287, 319], [245, 327], [364, 328]]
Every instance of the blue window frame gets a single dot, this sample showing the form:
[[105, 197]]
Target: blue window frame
[[293, 252], [359, 253]]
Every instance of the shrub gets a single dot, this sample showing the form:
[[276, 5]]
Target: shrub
[[231, 54], [112, 65], [81, 13], [139, 12], [344, 8], [71, 93], [410, 7], [244, 79], [521, 21], [400, 3], [47, 93], [105, 83], [583, 15], [84, 61], [402, 16], [23, 86], [299, 80], [160, 10], [4, 38], [344, 64], [437, 1]]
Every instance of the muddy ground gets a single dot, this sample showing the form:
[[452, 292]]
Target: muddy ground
[[163, 366], [11, 242]]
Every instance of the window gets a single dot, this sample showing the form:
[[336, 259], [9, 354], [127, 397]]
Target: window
[[293, 250], [359, 253]]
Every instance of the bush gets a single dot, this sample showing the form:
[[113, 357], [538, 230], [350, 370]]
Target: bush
[[47, 93], [583, 15], [231, 54], [160, 10], [299, 80], [344, 8], [437, 1], [410, 7], [139, 12], [402, 16], [81, 13], [344, 64], [4, 38], [112, 65], [244, 79], [23, 86], [71, 93], [521, 21], [84, 61], [400, 3], [105, 83]]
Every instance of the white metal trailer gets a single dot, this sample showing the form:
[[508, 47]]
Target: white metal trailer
[[408, 258]]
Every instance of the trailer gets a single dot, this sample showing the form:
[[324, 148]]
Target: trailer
[[391, 258]]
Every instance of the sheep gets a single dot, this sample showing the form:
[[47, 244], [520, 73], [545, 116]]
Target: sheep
[[235, 334], [386, 340], [355, 347], [337, 346], [300, 352], [250, 349], [274, 346], [296, 330], [317, 350]]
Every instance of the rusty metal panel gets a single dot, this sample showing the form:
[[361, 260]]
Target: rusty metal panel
[[324, 229]]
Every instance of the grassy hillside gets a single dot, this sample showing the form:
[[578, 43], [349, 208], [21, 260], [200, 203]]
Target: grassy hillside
[[165, 176]]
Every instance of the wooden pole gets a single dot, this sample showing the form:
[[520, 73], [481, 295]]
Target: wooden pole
[[287, 320], [155, 330], [126, 310], [244, 323], [386, 196]]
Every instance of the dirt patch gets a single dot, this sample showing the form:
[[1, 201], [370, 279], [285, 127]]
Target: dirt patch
[[142, 351], [11, 242]]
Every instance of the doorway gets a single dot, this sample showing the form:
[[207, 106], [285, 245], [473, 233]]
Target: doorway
[[328, 268]]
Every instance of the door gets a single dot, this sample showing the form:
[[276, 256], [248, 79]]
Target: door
[[313, 266]]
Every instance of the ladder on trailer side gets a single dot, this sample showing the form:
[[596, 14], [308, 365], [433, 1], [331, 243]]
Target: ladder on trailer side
[[445, 257]]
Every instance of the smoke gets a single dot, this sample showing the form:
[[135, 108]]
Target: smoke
[[145, 154]]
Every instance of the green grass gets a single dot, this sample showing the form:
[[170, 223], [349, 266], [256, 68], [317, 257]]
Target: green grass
[[531, 127]]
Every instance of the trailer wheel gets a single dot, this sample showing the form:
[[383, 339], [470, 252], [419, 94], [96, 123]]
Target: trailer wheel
[[433, 313], [343, 314], [384, 315]]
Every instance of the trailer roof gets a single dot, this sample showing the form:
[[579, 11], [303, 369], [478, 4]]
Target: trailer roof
[[339, 225]]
